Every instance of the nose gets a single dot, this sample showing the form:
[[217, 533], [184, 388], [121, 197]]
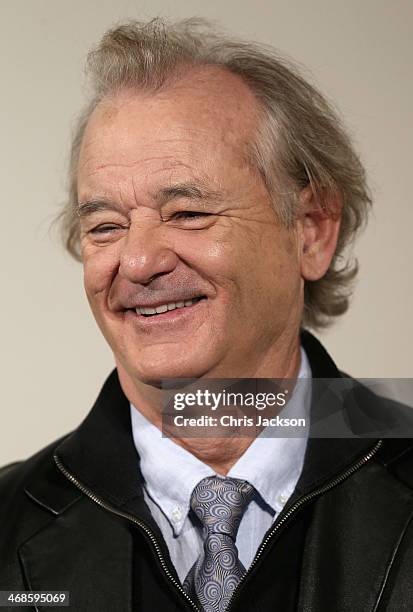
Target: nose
[[146, 253]]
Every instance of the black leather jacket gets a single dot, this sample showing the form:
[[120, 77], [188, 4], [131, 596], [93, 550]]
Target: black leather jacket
[[73, 518]]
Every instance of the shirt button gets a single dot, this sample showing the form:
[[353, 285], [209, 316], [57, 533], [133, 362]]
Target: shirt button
[[176, 514], [282, 498]]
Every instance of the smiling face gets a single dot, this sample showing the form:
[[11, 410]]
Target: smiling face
[[174, 219]]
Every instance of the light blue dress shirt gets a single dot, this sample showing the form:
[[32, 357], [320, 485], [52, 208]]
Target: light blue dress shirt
[[271, 464]]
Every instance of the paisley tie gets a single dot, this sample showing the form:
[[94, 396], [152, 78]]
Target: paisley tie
[[219, 504]]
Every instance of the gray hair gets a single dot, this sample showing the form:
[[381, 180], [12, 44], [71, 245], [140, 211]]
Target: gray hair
[[300, 141]]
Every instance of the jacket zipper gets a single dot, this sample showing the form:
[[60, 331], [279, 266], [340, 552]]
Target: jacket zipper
[[323, 489]]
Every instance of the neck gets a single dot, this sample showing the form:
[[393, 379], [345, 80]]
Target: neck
[[151, 400]]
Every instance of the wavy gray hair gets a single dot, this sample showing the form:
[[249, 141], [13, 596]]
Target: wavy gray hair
[[301, 140]]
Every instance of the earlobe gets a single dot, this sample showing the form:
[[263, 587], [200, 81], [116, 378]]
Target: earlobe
[[319, 217]]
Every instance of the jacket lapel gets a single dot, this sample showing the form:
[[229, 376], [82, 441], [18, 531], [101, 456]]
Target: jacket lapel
[[85, 554]]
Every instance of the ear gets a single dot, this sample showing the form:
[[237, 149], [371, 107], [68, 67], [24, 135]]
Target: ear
[[318, 226]]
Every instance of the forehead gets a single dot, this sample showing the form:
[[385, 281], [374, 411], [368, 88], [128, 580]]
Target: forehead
[[209, 113]]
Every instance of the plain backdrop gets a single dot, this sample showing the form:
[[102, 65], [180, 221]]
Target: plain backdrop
[[54, 359]]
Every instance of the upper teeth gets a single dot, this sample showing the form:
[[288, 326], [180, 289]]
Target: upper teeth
[[148, 310]]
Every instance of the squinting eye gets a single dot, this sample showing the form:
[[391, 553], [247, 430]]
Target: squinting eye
[[106, 228], [189, 214]]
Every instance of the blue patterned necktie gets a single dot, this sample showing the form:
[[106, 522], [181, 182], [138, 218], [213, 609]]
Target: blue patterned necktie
[[219, 504]]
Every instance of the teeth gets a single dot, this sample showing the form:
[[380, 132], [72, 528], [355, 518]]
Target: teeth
[[148, 310], [162, 308]]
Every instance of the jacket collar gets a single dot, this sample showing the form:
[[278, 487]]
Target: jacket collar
[[101, 452], [325, 457]]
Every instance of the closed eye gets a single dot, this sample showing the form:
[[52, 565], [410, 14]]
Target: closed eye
[[188, 214]]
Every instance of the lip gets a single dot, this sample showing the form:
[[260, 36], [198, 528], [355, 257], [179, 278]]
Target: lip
[[169, 319]]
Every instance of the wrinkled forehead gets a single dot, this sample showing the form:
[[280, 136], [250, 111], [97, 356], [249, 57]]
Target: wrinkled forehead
[[207, 105]]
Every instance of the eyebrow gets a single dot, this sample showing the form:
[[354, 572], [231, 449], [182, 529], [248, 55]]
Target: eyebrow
[[87, 208], [188, 190]]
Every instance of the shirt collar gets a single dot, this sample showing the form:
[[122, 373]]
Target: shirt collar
[[170, 471], [271, 464]]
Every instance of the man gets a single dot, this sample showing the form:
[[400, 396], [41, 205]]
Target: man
[[213, 195]]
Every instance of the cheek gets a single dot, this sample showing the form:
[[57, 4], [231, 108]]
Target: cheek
[[283, 275], [274, 269], [210, 255], [99, 268]]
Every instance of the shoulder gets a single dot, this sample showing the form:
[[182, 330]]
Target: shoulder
[[15, 477], [10, 467], [396, 456], [371, 415]]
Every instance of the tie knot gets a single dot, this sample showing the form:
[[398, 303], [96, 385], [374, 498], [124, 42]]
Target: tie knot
[[219, 503]]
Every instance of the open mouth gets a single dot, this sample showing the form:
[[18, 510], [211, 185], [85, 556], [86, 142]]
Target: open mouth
[[153, 311]]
